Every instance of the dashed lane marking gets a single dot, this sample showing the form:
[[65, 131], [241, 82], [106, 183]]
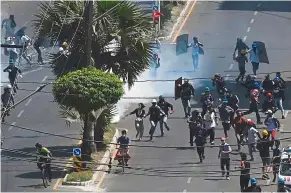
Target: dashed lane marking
[[44, 79], [249, 29], [38, 69], [286, 113], [184, 190], [230, 67], [252, 21], [11, 126], [282, 128], [245, 38], [189, 180], [27, 103], [20, 113], [255, 13]]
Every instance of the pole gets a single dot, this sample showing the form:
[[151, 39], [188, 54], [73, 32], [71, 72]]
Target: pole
[[89, 19]]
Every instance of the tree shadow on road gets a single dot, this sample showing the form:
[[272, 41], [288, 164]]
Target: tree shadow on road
[[37, 175]]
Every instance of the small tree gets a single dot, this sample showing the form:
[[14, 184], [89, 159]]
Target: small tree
[[88, 91]]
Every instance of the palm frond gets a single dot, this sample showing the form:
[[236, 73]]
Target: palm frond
[[70, 116]]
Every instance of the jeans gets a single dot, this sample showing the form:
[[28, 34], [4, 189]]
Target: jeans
[[252, 149], [225, 162], [139, 128], [226, 127], [186, 106], [163, 121], [200, 151], [279, 104], [211, 133], [255, 67], [195, 59]]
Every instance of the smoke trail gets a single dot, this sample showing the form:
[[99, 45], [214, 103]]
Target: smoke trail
[[172, 67]]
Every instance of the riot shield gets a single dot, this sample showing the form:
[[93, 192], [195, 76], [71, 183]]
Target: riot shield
[[263, 56], [178, 83], [182, 44]]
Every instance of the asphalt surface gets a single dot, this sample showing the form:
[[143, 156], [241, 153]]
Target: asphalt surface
[[19, 172], [175, 169]]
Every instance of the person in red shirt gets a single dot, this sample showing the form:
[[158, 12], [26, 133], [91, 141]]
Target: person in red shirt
[[239, 124]]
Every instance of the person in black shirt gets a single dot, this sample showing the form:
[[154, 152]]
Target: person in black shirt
[[155, 112], [244, 172], [241, 60], [186, 91], [240, 45], [37, 44], [6, 99], [193, 121], [279, 95], [219, 82], [165, 106], [12, 74], [282, 84], [200, 140], [206, 100], [276, 159], [263, 146], [267, 84], [139, 113]]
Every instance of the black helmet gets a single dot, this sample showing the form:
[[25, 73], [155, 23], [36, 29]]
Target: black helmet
[[38, 145], [161, 97]]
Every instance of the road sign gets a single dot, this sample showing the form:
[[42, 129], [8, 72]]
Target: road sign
[[155, 8], [76, 151]]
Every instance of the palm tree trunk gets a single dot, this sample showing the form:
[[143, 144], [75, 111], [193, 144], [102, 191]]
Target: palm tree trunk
[[88, 146], [98, 135]]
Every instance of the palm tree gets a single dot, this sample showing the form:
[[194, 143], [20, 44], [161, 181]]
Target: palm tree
[[123, 23]]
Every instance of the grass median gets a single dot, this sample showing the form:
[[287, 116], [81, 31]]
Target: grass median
[[87, 175]]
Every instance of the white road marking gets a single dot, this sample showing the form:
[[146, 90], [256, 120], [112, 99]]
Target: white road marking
[[230, 67], [227, 77], [248, 30], [20, 113], [37, 88], [11, 126], [245, 38], [282, 128], [255, 13], [184, 190], [29, 100], [44, 79], [259, 5], [38, 69], [286, 113], [189, 180], [252, 21]]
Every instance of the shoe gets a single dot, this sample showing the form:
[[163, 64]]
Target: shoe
[[283, 117], [259, 122], [50, 181], [201, 161], [151, 137], [252, 159], [168, 129], [222, 173], [227, 178], [212, 142], [162, 134], [203, 157]]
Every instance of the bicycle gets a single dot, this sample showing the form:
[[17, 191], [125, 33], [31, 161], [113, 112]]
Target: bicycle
[[44, 174]]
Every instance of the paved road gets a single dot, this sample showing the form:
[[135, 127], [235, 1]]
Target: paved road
[[176, 169], [38, 112]]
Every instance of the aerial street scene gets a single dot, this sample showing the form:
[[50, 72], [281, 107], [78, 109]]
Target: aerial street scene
[[145, 96]]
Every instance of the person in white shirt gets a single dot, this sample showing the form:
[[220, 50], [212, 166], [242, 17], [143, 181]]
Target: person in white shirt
[[254, 58], [11, 52], [196, 49], [25, 41], [252, 137], [210, 123]]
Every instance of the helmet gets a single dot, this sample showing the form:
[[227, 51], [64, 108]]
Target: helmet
[[186, 80], [250, 122], [223, 138], [38, 145], [254, 45], [269, 112], [265, 132], [65, 44], [161, 97], [61, 49], [253, 181], [8, 86], [239, 113], [11, 60], [206, 89], [281, 181], [154, 101], [256, 84], [225, 101], [269, 94], [243, 52], [217, 75], [276, 78]]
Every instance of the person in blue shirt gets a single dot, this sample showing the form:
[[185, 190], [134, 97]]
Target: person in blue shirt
[[123, 142], [254, 58], [196, 50]]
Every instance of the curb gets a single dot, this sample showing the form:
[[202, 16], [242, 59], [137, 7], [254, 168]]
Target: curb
[[179, 20], [104, 162]]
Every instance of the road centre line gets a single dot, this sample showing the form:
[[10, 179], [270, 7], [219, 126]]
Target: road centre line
[[27, 72], [249, 28], [189, 180], [27, 103], [252, 21], [20, 113], [44, 79], [12, 124]]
